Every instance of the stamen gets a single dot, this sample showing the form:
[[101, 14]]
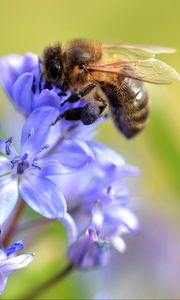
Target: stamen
[[9, 140], [14, 247], [14, 161], [35, 165], [8, 144], [25, 156], [21, 162], [31, 132], [45, 146], [109, 190]]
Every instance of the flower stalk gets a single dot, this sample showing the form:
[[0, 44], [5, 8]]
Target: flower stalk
[[12, 226], [50, 282]]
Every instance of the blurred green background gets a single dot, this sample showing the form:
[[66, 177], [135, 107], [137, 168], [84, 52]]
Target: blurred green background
[[151, 266]]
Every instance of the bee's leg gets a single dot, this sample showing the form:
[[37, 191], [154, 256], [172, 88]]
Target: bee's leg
[[71, 99], [88, 114], [73, 114], [82, 93]]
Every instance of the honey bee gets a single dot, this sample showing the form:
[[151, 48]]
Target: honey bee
[[107, 75]]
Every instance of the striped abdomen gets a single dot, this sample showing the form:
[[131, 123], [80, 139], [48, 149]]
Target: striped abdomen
[[128, 104]]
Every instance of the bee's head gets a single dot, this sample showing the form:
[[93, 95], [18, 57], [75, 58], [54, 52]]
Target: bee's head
[[53, 65]]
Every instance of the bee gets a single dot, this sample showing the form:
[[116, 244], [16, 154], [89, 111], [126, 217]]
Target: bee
[[110, 76]]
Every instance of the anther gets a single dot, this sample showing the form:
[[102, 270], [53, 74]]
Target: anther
[[14, 161], [109, 190], [31, 132], [44, 147], [8, 144], [35, 165], [25, 156]]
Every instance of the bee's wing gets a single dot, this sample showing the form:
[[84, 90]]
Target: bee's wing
[[149, 70], [131, 51]]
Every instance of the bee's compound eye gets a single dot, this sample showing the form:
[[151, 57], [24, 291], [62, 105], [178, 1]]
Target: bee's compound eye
[[54, 71]]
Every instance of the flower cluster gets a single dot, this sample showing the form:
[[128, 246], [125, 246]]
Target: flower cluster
[[60, 172], [99, 208]]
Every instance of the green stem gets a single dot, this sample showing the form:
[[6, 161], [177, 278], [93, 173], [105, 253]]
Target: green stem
[[11, 229], [49, 283]]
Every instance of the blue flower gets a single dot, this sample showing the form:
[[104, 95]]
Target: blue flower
[[45, 152], [99, 208], [21, 79], [9, 262], [13, 66]]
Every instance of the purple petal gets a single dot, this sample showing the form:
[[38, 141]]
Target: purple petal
[[84, 146], [46, 98], [43, 196], [7, 148], [97, 216], [118, 243], [37, 128], [77, 250], [117, 214], [17, 262], [3, 255], [22, 92], [127, 170], [88, 252], [12, 66], [97, 255], [71, 228], [3, 281], [73, 188], [105, 155], [4, 165], [8, 196], [71, 157], [118, 193]]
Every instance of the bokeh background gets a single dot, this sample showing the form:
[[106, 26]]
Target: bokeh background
[[150, 269]]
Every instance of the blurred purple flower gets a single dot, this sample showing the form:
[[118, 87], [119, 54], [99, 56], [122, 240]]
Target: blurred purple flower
[[44, 153], [9, 262], [99, 208], [12, 66]]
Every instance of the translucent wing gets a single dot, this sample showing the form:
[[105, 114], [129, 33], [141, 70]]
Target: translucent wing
[[136, 51], [149, 70]]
